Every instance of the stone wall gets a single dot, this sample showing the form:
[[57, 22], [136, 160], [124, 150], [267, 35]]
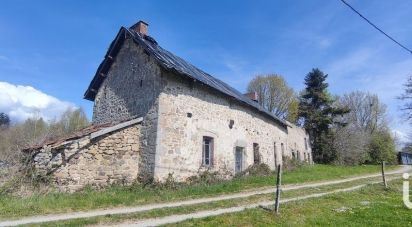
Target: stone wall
[[111, 158], [177, 114], [131, 87], [190, 111], [131, 90], [297, 137]]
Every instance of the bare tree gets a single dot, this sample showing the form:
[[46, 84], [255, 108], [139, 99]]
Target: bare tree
[[70, 121], [31, 132], [274, 95], [367, 120], [367, 112], [407, 98]]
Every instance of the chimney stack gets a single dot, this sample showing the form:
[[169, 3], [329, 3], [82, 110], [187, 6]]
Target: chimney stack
[[253, 95], [140, 27]]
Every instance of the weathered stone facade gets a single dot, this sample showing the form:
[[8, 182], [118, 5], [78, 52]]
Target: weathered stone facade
[[131, 90], [108, 159], [180, 137], [187, 126], [131, 87], [168, 99]]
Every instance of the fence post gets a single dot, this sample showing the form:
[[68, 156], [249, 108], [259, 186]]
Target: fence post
[[383, 174], [278, 183]]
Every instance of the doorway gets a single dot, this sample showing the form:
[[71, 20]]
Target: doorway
[[238, 160]]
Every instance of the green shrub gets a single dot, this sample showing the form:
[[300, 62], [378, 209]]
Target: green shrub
[[261, 169], [382, 148], [205, 177], [290, 164]]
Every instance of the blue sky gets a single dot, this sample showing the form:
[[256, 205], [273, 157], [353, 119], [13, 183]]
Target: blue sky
[[55, 46]]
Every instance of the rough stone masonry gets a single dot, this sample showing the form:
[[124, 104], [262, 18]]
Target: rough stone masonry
[[190, 122]]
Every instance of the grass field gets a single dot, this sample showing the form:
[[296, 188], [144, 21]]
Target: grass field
[[370, 206], [162, 212], [11, 206]]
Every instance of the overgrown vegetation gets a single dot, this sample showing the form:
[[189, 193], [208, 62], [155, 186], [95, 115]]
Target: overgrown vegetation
[[16, 136], [260, 169]]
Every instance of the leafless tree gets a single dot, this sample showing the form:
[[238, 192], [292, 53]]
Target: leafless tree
[[367, 112], [31, 132], [366, 117], [407, 98]]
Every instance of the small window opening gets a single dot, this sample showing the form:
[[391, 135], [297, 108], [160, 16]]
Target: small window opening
[[231, 122], [207, 153], [189, 115], [141, 83], [256, 154]]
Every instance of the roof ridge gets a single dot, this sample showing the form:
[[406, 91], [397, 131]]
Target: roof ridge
[[172, 62]]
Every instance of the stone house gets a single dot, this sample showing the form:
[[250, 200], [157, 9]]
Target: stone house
[[155, 114]]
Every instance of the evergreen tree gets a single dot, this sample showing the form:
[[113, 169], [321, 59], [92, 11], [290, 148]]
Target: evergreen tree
[[318, 113]]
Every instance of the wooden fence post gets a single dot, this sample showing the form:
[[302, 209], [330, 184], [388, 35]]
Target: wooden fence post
[[383, 174], [278, 183]]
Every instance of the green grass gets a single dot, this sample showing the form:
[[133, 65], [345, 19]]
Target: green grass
[[370, 206], [114, 219], [14, 207]]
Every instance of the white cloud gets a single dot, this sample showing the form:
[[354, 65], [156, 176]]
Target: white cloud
[[21, 102]]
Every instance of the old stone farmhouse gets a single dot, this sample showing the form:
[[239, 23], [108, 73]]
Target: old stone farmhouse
[[155, 114]]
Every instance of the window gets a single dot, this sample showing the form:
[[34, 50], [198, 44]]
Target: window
[[306, 144], [256, 154], [207, 151], [293, 155], [298, 155]]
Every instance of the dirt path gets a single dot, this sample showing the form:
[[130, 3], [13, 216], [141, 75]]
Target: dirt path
[[208, 213], [142, 208]]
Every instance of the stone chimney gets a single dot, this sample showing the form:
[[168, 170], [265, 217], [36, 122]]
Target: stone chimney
[[140, 27], [253, 95]]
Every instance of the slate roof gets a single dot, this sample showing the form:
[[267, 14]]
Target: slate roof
[[170, 62]]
